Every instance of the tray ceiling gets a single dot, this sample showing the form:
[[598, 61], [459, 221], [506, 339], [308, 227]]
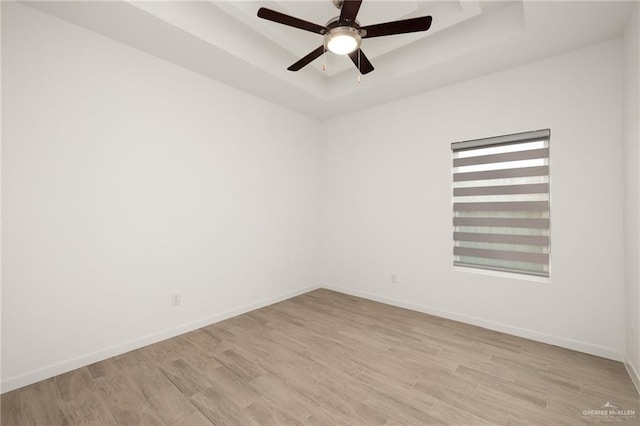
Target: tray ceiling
[[226, 41]]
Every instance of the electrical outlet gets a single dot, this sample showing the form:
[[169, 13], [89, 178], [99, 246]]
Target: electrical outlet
[[175, 299], [394, 278]]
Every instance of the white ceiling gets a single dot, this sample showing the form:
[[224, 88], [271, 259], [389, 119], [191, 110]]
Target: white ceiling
[[226, 41]]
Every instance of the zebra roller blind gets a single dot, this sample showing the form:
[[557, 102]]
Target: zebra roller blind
[[501, 203]]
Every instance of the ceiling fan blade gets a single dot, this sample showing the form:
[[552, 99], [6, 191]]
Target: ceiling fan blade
[[307, 59], [398, 27], [349, 10], [361, 61], [281, 18]]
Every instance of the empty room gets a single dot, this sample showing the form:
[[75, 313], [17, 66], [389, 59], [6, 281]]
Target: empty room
[[320, 212]]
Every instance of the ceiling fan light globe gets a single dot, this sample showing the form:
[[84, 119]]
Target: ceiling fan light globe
[[342, 44], [342, 40]]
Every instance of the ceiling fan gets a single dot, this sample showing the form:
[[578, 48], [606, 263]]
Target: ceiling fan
[[343, 34]]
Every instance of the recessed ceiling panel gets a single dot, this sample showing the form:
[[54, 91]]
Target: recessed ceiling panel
[[226, 41]]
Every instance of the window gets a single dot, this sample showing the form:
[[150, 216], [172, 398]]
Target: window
[[501, 203]]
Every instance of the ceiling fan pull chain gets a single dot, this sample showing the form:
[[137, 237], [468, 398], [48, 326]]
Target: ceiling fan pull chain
[[324, 60], [358, 70]]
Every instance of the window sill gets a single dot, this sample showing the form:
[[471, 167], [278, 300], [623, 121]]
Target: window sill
[[501, 274]]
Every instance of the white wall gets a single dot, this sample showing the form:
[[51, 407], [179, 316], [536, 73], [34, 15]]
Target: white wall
[[632, 190], [126, 179], [387, 200]]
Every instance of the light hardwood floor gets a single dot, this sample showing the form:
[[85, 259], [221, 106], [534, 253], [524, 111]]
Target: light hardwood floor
[[330, 358]]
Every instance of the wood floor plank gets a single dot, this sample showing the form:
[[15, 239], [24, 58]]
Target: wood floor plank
[[131, 359], [200, 359], [119, 393], [150, 381], [523, 409], [420, 400], [75, 384], [204, 341], [170, 407], [547, 382], [239, 364], [389, 365], [339, 395], [138, 416], [102, 368], [90, 409], [325, 358], [464, 401], [501, 371], [195, 419], [284, 397], [163, 352], [513, 391], [237, 390], [185, 377], [41, 404], [219, 409], [10, 408], [399, 410], [263, 412]]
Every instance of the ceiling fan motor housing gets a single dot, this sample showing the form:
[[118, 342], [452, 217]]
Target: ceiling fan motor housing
[[348, 31], [342, 40]]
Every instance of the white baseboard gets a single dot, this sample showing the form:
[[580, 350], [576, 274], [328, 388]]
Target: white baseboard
[[28, 378], [633, 373], [564, 342]]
